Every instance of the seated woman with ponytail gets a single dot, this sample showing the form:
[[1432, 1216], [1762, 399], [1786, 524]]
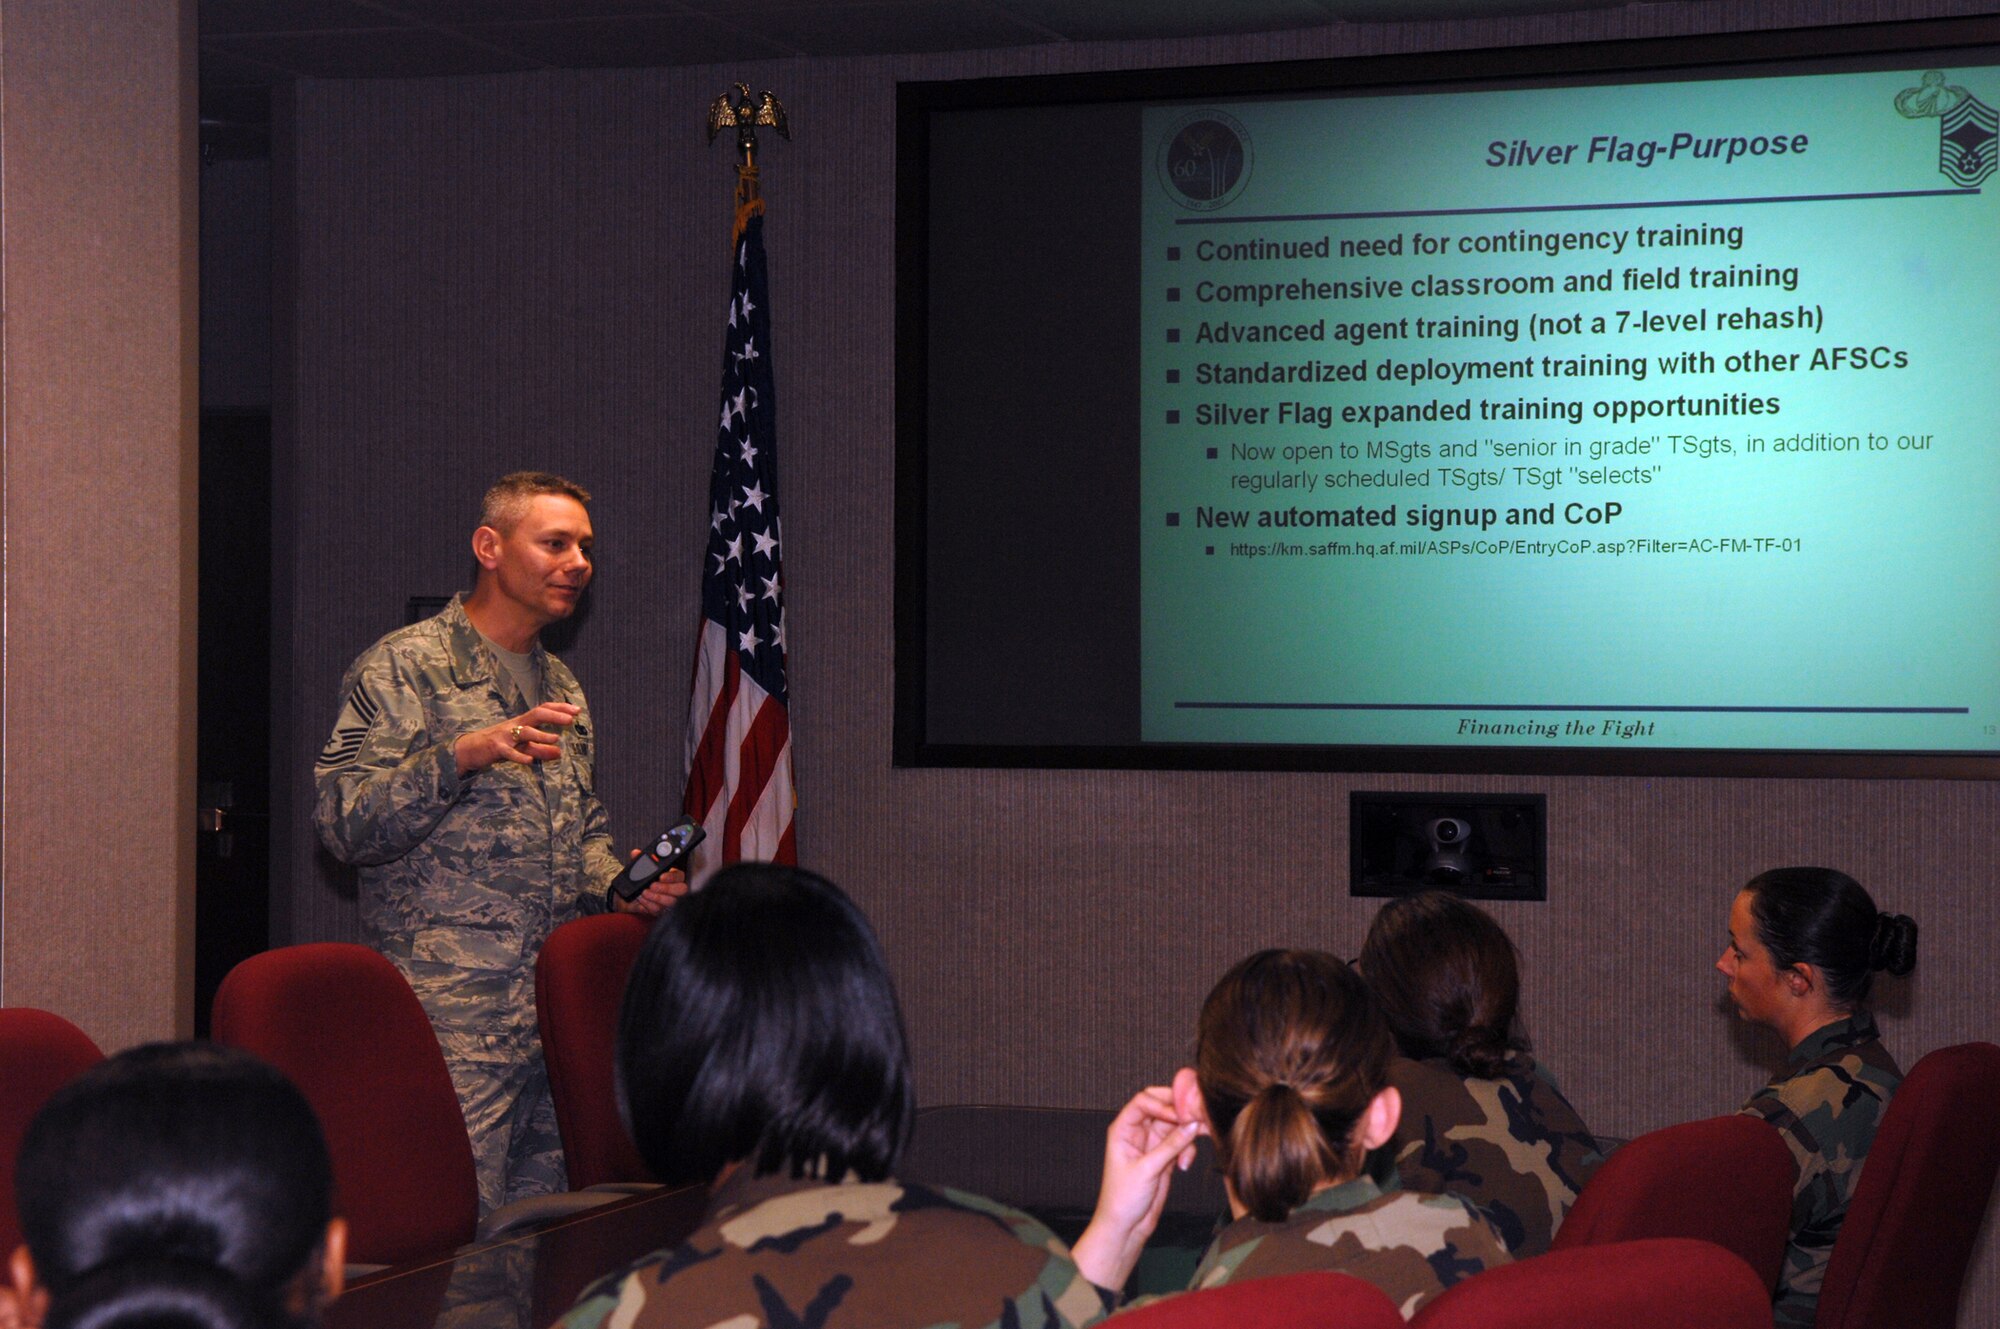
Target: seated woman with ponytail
[[1480, 1117], [1291, 1080], [178, 1184], [1804, 946]]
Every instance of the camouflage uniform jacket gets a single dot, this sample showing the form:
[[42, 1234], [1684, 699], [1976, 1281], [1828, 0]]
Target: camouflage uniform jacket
[[1411, 1246], [1513, 1146], [469, 872], [782, 1253], [1826, 1105]]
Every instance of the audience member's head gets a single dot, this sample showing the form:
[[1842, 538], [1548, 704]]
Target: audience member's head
[[760, 1028], [1291, 1064], [177, 1184], [1447, 980], [1824, 919]]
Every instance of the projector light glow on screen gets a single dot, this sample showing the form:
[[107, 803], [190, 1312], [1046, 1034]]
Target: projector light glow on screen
[[1654, 415], [1580, 410]]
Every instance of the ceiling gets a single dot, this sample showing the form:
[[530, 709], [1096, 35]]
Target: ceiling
[[247, 46]]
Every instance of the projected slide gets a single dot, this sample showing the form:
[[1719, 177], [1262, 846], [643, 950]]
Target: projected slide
[[1661, 415]]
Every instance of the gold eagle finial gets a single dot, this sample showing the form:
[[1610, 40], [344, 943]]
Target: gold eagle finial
[[738, 112]]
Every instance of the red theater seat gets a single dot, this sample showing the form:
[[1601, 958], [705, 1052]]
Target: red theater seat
[[1293, 1301], [39, 1053], [341, 1022], [579, 985], [1901, 1255], [1727, 1180], [1666, 1283]]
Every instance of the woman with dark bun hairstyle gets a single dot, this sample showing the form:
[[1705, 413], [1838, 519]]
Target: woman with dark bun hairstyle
[[1804, 946], [1291, 1080], [1480, 1118], [177, 1184]]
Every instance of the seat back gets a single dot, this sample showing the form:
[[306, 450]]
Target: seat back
[[1662, 1283], [579, 986], [1317, 1300], [1044, 1160], [40, 1052], [1047, 1161], [1728, 1180], [345, 1027], [1901, 1255]]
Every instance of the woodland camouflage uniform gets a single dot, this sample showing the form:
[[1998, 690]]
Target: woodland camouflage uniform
[[1826, 1105], [782, 1253], [1411, 1246], [1512, 1145], [463, 877]]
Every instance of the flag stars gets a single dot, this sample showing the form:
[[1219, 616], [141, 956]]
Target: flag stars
[[747, 641], [767, 544], [735, 549], [754, 496], [749, 452], [771, 588]]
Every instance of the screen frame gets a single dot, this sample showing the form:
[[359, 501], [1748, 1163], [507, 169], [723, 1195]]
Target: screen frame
[[1718, 55]]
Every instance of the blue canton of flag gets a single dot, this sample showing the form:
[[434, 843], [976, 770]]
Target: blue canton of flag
[[739, 733]]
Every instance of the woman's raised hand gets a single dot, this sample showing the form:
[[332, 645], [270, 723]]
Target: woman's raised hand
[[1147, 1140]]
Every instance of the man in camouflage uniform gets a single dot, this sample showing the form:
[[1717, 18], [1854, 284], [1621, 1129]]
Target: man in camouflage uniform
[[775, 1251], [459, 779], [1410, 1246], [1836, 1085], [1511, 1144]]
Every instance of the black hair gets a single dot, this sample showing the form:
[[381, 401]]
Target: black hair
[[760, 1026], [1448, 982], [175, 1184], [1824, 918]]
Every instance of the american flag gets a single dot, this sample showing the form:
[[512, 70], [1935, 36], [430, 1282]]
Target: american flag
[[739, 782]]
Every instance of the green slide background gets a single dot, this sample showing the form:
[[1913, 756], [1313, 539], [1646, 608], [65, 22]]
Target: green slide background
[[1889, 595]]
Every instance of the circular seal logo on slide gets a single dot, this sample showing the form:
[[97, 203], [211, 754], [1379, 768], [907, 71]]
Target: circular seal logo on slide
[[1205, 160]]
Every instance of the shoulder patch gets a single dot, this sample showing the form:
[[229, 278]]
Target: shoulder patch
[[356, 718]]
